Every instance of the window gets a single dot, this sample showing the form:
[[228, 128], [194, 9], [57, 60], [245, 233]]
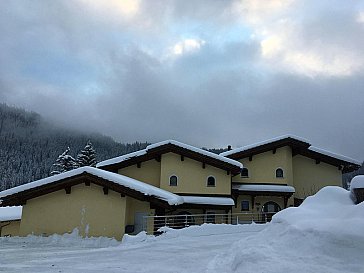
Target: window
[[210, 217], [244, 172], [244, 205], [211, 181], [173, 180], [279, 173], [271, 207]]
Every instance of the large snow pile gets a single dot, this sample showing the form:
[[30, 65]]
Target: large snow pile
[[324, 234], [357, 182]]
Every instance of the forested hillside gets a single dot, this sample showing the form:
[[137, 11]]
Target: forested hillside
[[29, 146]]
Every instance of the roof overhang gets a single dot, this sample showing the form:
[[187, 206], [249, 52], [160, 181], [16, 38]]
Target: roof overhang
[[155, 151], [344, 165], [65, 181], [299, 146], [264, 189], [295, 143]]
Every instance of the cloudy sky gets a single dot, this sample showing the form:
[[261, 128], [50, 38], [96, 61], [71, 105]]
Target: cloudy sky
[[208, 73]]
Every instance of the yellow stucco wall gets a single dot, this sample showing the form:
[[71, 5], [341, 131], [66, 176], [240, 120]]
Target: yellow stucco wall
[[262, 168], [310, 177], [192, 178], [134, 206], [149, 172], [86, 208], [10, 228]]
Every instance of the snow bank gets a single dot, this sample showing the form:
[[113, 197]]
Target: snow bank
[[66, 240], [192, 231], [331, 209], [10, 213], [357, 182], [324, 234]]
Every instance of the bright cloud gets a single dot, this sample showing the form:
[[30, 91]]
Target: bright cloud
[[360, 17], [125, 8], [187, 46], [288, 44]]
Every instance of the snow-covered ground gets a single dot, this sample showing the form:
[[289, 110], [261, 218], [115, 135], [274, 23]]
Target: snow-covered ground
[[325, 234]]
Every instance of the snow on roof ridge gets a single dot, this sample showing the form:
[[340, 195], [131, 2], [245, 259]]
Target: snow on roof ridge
[[10, 213], [331, 154], [250, 146], [169, 141], [146, 189]]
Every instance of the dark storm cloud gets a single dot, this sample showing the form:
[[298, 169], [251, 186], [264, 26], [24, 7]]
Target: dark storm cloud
[[116, 70]]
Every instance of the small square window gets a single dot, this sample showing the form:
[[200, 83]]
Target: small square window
[[244, 172], [244, 205]]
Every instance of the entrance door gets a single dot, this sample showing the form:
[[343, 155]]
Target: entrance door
[[269, 209], [140, 222]]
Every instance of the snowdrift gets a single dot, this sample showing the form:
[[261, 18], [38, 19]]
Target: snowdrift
[[324, 234]]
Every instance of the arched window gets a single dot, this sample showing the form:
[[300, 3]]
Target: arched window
[[173, 180], [244, 172], [211, 182], [279, 173], [271, 207]]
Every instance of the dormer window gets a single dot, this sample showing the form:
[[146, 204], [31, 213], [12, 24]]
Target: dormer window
[[279, 173], [244, 172], [173, 180], [211, 182]]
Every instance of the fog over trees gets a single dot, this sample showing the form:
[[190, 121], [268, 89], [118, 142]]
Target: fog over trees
[[29, 146]]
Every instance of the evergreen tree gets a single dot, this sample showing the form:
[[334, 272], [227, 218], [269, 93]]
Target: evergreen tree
[[64, 163], [87, 157]]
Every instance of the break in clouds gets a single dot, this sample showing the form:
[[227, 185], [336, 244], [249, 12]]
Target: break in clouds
[[210, 73]]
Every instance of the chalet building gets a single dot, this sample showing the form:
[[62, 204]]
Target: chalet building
[[282, 172], [172, 178]]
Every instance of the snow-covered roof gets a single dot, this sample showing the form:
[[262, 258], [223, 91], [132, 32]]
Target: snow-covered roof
[[263, 187], [173, 142], [10, 213], [357, 182], [334, 155], [146, 189], [251, 146], [223, 201]]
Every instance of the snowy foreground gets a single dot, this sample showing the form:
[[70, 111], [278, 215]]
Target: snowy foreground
[[325, 234]]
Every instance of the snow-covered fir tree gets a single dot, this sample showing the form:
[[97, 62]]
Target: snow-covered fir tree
[[87, 157], [64, 163]]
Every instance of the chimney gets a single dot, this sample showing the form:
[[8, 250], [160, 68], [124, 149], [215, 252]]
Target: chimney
[[229, 147]]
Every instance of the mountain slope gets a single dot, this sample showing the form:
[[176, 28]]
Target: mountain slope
[[29, 146]]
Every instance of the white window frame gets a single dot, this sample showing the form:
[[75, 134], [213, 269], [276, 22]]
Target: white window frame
[[275, 173], [207, 181], [169, 180]]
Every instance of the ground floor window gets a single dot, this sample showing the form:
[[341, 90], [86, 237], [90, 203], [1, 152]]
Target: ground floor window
[[271, 207], [244, 205]]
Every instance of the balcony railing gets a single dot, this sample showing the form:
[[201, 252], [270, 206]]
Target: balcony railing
[[151, 224]]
